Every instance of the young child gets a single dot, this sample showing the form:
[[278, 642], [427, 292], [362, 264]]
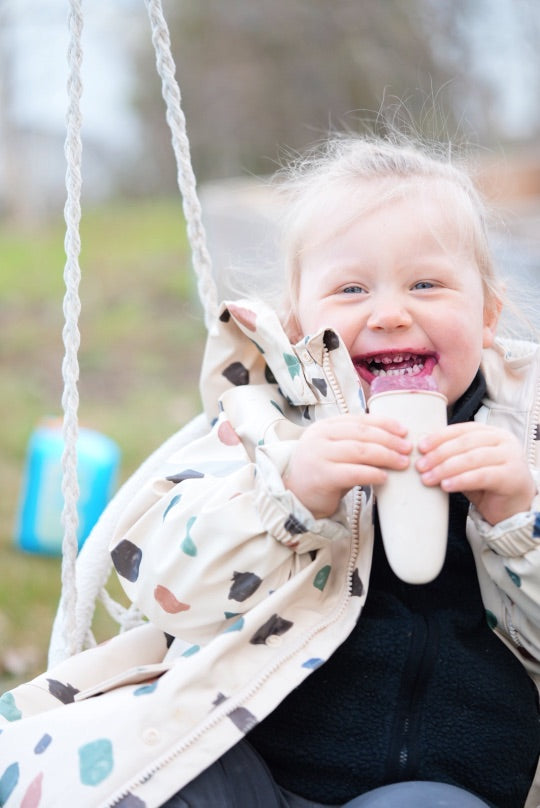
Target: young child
[[283, 662]]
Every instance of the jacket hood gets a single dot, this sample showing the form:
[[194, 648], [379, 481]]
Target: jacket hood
[[247, 345]]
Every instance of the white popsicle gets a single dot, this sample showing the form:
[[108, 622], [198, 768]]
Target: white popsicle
[[413, 516]]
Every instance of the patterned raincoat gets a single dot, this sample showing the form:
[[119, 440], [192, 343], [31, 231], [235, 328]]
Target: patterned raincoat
[[245, 591]]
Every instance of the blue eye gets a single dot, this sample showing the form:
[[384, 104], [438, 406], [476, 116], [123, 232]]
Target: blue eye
[[423, 285], [353, 289]]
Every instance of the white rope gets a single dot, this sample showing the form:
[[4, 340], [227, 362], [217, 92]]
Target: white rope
[[126, 617], [202, 264], [74, 631], [71, 336]]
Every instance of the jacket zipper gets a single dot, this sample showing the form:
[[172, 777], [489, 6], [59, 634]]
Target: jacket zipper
[[404, 750], [230, 705], [533, 428], [511, 630], [333, 382]]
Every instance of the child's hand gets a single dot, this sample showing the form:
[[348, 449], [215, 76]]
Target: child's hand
[[335, 454], [484, 463]]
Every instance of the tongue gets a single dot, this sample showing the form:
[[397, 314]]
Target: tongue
[[382, 384]]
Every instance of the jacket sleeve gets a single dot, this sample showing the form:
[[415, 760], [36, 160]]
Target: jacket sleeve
[[130, 656], [215, 532], [508, 560]]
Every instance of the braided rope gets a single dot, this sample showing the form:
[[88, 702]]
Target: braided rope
[[75, 636], [70, 334], [202, 264], [126, 617]]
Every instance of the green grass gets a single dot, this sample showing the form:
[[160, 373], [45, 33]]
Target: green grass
[[142, 338]]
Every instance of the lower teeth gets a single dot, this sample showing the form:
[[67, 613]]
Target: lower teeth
[[409, 371]]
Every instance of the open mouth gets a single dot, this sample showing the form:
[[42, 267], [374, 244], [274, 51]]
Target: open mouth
[[394, 363]]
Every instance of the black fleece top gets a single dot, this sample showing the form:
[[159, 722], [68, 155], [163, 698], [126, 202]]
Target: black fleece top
[[421, 690]]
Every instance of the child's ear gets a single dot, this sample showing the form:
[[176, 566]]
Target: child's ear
[[492, 311]]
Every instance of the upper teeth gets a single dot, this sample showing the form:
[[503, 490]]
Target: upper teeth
[[387, 360]]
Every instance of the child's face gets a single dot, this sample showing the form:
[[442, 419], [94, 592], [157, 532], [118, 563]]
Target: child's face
[[402, 288]]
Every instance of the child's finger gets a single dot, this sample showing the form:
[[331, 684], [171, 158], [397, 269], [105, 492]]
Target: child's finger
[[435, 469], [369, 453], [344, 476], [452, 443], [356, 425], [387, 424], [484, 478], [458, 437], [361, 433]]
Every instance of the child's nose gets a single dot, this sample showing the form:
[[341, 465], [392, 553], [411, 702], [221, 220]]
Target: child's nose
[[389, 314]]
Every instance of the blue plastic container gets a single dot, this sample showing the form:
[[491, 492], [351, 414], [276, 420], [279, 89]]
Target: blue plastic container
[[39, 524]]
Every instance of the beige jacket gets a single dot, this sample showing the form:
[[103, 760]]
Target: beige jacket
[[255, 591]]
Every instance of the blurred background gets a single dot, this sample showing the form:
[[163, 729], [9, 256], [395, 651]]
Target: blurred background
[[259, 81]]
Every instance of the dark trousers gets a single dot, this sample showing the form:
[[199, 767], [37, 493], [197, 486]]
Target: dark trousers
[[241, 779]]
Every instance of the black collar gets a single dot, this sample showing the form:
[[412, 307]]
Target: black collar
[[468, 405]]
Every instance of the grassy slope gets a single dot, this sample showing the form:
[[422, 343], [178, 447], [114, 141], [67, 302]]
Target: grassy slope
[[141, 345]]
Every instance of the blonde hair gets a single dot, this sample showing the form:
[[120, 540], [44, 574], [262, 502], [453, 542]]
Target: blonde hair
[[314, 186]]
